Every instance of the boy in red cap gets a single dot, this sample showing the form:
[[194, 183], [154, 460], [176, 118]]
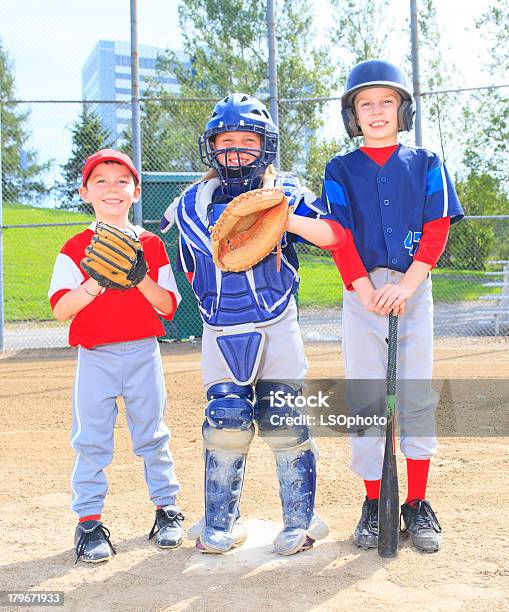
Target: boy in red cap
[[118, 355]]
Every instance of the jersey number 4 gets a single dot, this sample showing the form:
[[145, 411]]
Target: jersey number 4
[[412, 242]]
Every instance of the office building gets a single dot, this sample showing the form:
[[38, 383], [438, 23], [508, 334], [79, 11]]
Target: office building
[[106, 75]]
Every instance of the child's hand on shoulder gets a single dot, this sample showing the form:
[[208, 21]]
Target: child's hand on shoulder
[[391, 298]]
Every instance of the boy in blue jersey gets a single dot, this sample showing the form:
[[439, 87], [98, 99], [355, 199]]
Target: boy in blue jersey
[[396, 204]]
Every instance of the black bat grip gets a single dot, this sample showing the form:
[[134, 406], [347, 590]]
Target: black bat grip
[[392, 363]]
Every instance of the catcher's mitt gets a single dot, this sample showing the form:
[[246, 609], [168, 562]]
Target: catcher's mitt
[[114, 258], [249, 228]]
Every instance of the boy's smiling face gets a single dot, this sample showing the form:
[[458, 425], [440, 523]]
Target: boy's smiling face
[[111, 190], [376, 111]]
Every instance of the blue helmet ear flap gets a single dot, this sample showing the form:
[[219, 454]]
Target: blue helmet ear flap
[[350, 122], [406, 114]]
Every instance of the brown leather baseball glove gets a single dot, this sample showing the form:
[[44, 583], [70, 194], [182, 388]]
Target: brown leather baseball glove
[[114, 258], [249, 228]]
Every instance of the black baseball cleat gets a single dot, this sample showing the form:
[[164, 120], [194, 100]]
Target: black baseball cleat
[[366, 532], [421, 525], [92, 542], [167, 527]]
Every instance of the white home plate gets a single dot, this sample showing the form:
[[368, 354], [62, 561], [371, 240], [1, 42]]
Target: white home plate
[[257, 552]]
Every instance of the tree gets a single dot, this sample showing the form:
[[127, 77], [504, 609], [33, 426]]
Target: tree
[[88, 136], [304, 71], [487, 144], [476, 241], [441, 117], [169, 132], [227, 43], [488, 116], [21, 173], [320, 152], [495, 24], [363, 31]]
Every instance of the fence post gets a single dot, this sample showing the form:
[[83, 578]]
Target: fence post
[[416, 77], [271, 38], [2, 317], [135, 105]]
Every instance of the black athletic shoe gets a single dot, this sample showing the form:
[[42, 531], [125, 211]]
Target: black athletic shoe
[[167, 527], [422, 525], [366, 532], [92, 542]]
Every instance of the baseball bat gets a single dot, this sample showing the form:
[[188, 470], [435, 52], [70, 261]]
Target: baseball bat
[[388, 505]]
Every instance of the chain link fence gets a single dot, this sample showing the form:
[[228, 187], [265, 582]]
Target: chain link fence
[[41, 210]]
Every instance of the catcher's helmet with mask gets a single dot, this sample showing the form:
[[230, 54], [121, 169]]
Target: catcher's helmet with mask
[[239, 112]]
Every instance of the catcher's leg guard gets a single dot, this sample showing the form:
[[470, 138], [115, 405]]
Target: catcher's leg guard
[[238, 533], [296, 457], [227, 432]]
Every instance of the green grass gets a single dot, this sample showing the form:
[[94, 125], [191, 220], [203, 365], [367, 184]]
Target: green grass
[[321, 286], [450, 285], [28, 257]]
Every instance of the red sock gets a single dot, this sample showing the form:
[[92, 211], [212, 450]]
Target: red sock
[[372, 488], [90, 517], [417, 471]]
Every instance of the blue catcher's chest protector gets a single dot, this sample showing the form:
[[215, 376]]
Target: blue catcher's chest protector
[[258, 295]]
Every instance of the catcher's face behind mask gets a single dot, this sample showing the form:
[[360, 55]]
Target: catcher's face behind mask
[[237, 153], [237, 149], [239, 169]]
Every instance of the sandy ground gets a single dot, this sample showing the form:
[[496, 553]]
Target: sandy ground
[[469, 483]]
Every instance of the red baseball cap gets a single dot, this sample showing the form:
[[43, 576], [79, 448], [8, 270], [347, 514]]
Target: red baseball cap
[[108, 155]]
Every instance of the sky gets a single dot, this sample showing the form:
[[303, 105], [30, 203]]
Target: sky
[[49, 41]]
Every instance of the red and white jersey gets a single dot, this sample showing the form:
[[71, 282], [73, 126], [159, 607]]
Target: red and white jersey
[[115, 315]]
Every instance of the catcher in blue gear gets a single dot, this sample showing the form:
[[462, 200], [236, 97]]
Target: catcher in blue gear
[[252, 345]]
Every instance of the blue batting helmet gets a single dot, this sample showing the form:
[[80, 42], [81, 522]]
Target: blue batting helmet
[[239, 112], [376, 73]]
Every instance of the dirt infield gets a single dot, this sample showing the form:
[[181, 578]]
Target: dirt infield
[[469, 484]]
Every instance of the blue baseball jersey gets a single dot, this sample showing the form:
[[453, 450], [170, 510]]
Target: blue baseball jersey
[[385, 207]]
